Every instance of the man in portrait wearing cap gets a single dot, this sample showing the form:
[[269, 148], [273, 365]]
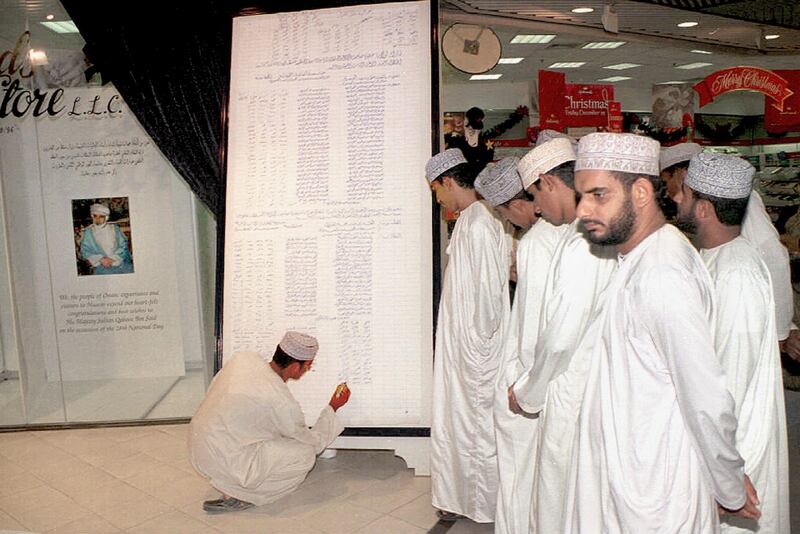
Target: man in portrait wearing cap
[[249, 435], [473, 317], [573, 283], [501, 186], [656, 444], [712, 204], [103, 244], [757, 228]]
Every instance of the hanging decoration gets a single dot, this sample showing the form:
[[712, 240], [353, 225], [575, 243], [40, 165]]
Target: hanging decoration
[[757, 79], [724, 132], [634, 123]]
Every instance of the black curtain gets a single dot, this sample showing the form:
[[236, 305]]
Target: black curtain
[[171, 64]]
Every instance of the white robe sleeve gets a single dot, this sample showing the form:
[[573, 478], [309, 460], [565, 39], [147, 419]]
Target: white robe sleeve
[[569, 309], [740, 325], [290, 423], [757, 228], [673, 307], [489, 274]]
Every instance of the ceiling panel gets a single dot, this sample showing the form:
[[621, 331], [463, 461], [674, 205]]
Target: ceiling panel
[[650, 31]]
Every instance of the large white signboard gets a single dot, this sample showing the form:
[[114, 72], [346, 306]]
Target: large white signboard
[[328, 225]]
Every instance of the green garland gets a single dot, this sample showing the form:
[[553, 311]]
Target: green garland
[[631, 122]]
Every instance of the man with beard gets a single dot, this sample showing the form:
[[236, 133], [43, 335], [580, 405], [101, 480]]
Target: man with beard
[[104, 245], [712, 203], [656, 439], [553, 385], [476, 144], [473, 317], [757, 228]]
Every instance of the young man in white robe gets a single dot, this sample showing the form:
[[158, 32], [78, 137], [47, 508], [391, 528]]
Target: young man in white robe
[[502, 188], [249, 435], [552, 385], [473, 317], [712, 203], [656, 449], [757, 228]]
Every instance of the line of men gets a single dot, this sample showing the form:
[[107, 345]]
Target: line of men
[[636, 385]]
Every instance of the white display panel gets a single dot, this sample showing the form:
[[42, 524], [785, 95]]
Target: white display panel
[[328, 225], [82, 324]]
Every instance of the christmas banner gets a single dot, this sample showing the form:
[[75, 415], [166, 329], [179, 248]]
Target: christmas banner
[[787, 119], [552, 86], [615, 117], [587, 105], [764, 81]]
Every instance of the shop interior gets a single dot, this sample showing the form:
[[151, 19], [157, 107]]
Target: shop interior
[[631, 47]]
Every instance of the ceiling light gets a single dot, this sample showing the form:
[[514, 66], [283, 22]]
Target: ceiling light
[[62, 26], [583, 10], [688, 24], [771, 36], [532, 39], [606, 44], [673, 82], [690, 66], [485, 76], [510, 60], [50, 17], [567, 65], [615, 79], [622, 66], [701, 52], [37, 57]]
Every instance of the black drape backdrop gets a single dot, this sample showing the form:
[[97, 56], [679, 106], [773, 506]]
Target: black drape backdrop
[[170, 62]]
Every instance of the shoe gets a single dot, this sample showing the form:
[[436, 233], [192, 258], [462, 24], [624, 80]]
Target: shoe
[[230, 504], [448, 517]]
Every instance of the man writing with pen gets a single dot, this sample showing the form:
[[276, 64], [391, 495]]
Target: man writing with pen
[[249, 436]]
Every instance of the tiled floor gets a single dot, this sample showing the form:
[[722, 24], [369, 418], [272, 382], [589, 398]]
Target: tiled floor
[[139, 480]]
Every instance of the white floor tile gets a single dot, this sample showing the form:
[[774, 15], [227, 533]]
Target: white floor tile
[[341, 518], [173, 523], [122, 505], [419, 512], [390, 525], [50, 515], [388, 495], [12, 484], [9, 523], [91, 523]]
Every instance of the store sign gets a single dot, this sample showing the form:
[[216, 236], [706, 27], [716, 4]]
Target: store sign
[[19, 99], [587, 105], [787, 119], [564, 105], [764, 81], [615, 117], [552, 86]]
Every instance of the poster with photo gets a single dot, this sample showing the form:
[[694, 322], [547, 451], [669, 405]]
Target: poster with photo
[[98, 257], [102, 233]]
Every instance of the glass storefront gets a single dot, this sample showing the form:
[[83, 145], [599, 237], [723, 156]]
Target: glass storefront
[[107, 259]]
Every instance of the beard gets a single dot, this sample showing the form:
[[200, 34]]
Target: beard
[[686, 223], [620, 227]]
